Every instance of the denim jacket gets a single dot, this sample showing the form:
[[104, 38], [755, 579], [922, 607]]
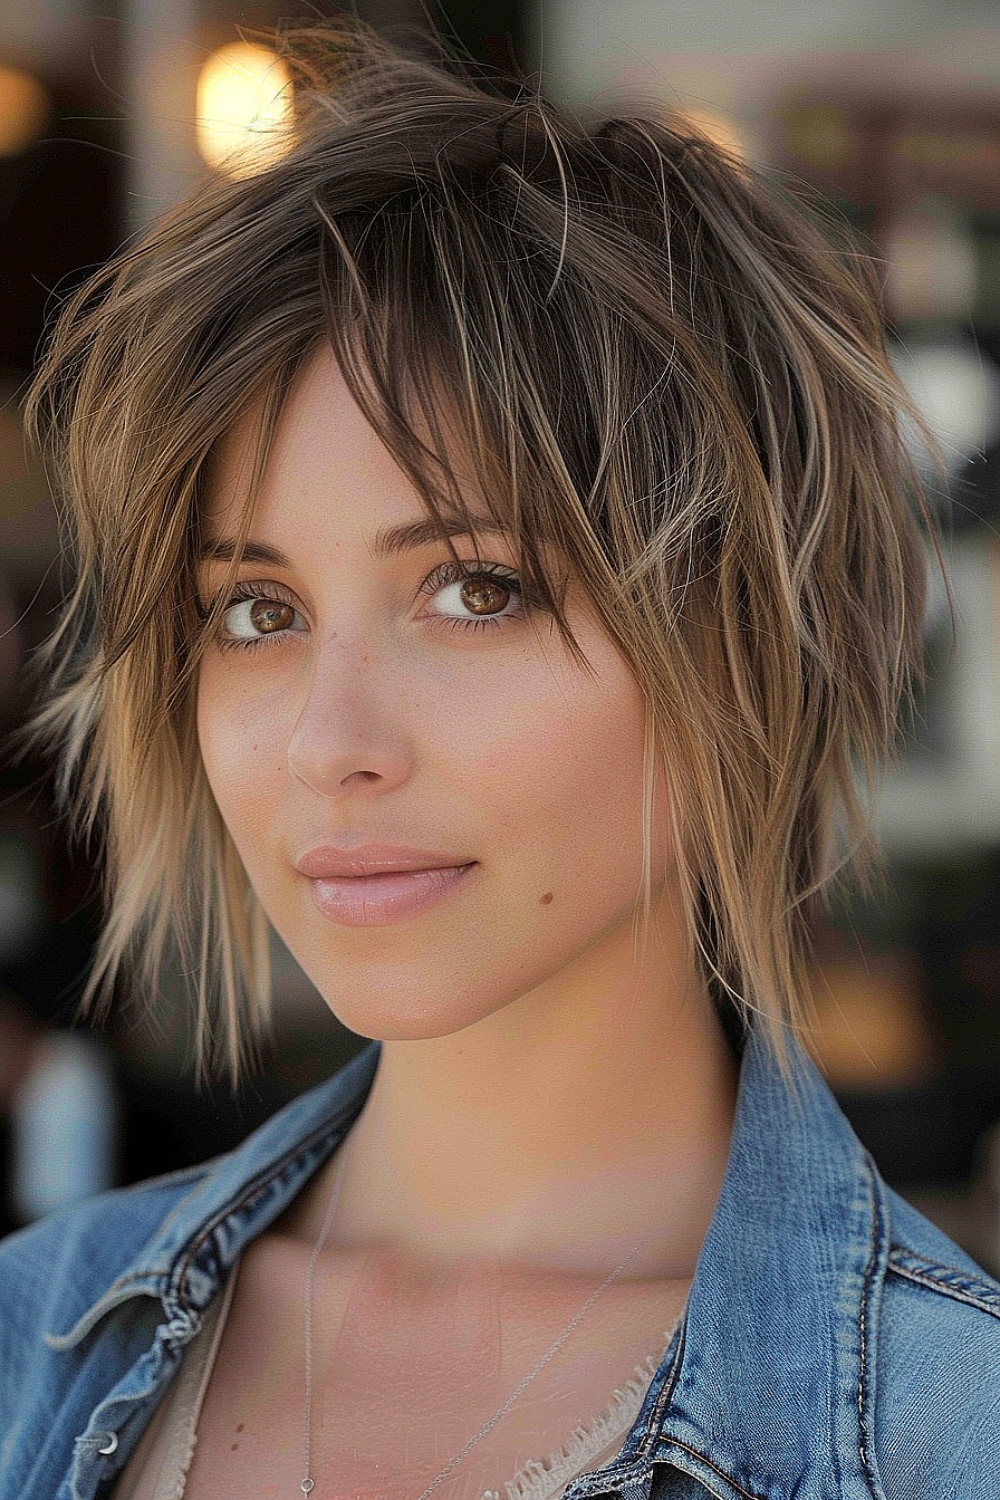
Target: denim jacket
[[835, 1345]]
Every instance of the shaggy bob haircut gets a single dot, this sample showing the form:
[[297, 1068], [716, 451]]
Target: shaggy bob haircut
[[654, 364]]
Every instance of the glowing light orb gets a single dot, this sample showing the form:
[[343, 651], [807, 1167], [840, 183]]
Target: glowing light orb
[[244, 112], [24, 108]]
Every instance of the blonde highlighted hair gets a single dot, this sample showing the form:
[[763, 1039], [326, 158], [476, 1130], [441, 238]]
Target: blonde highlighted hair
[[656, 365]]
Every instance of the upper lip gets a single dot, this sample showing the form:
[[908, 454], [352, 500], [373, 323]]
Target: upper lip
[[331, 860]]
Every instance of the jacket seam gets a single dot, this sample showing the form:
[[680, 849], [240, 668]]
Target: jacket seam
[[868, 1462], [251, 1190], [658, 1438], [61, 1342], [131, 1278], [142, 1275], [666, 1396], [749, 1494], [924, 1276], [201, 1175]]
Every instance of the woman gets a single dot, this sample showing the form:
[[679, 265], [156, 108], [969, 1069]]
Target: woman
[[495, 542]]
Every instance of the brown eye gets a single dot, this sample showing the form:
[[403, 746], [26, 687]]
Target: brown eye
[[484, 595], [489, 593], [267, 615], [253, 616]]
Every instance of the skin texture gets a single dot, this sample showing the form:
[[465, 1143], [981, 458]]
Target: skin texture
[[550, 1100], [546, 1094]]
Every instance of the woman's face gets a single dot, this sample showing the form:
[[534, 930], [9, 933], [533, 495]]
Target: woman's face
[[359, 695]]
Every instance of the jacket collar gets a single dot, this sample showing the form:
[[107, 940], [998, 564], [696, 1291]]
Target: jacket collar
[[233, 1199], [766, 1389]]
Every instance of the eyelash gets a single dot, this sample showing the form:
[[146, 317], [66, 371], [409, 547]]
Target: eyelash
[[442, 575]]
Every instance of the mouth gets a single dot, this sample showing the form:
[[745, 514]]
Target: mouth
[[337, 861], [377, 898]]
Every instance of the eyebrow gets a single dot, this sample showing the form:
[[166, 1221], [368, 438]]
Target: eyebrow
[[390, 540]]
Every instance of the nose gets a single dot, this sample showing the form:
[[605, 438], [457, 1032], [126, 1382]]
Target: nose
[[351, 731]]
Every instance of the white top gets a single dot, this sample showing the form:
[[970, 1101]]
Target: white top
[[158, 1468]]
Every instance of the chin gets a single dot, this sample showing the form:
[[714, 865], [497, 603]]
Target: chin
[[377, 1017]]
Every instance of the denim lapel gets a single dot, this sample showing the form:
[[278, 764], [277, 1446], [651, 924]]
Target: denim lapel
[[767, 1390]]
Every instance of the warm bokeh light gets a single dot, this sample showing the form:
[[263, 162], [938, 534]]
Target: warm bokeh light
[[244, 118], [24, 108], [716, 127]]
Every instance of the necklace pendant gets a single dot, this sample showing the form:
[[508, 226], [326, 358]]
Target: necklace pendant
[[307, 1486]]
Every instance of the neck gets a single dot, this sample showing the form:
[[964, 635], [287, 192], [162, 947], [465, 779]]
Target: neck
[[586, 1115]]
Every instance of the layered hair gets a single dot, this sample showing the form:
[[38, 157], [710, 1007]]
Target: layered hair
[[659, 369]]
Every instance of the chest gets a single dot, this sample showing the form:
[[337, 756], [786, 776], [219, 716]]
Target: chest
[[409, 1371]]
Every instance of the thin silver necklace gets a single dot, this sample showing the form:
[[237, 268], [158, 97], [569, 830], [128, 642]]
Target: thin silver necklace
[[308, 1483]]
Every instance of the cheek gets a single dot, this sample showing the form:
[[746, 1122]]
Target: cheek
[[569, 767], [240, 750]]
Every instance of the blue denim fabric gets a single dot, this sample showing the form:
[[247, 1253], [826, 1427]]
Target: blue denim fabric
[[835, 1345]]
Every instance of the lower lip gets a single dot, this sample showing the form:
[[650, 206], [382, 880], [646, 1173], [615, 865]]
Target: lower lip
[[374, 900]]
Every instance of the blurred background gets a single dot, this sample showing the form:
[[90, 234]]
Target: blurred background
[[888, 109]]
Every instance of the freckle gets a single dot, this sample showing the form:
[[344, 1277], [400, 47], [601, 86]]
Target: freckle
[[546, 899], [233, 1447], [239, 1427]]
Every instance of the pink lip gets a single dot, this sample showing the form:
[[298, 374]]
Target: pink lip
[[393, 895], [336, 861]]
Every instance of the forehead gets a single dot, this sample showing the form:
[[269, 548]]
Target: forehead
[[324, 456]]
